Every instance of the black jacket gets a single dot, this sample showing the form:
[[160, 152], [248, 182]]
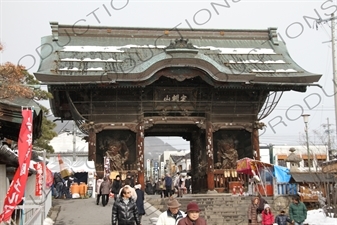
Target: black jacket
[[124, 214], [116, 186], [282, 219], [140, 202]]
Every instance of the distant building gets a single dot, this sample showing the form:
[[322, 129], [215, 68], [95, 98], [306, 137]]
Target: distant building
[[277, 155]]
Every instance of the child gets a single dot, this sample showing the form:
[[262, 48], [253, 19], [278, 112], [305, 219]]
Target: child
[[282, 219], [267, 216]]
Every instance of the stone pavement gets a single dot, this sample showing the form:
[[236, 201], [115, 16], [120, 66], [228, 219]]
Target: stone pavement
[[86, 212]]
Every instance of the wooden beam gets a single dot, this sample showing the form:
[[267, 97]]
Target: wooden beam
[[210, 158], [140, 154]]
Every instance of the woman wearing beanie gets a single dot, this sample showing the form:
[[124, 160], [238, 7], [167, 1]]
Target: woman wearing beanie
[[193, 216], [267, 216]]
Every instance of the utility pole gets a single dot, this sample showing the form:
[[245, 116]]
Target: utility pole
[[334, 63], [328, 131], [334, 59], [74, 142]]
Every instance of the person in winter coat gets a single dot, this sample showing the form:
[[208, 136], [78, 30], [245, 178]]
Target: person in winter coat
[[267, 216], [172, 215], [133, 192], [297, 211], [116, 186], [252, 211], [140, 201], [193, 216], [161, 187], [105, 191], [282, 218], [168, 185], [181, 187], [98, 190], [124, 209], [129, 180], [262, 202]]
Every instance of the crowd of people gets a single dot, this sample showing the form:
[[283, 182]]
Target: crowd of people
[[128, 205], [180, 184], [259, 212], [61, 187]]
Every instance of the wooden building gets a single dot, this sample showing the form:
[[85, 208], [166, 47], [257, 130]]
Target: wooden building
[[212, 87]]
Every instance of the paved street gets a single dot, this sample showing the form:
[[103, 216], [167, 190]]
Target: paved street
[[85, 211]]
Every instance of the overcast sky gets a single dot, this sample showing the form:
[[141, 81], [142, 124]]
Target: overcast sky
[[23, 23]]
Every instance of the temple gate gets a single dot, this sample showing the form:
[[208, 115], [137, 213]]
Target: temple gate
[[211, 87]]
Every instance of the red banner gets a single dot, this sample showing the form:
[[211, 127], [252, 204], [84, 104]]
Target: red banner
[[17, 188], [39, 167], [39, 178]]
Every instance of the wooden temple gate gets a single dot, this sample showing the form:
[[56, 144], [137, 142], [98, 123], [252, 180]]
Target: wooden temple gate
[[211, 87]]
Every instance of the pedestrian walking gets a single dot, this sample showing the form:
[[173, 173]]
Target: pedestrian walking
[[267, 216], [168, 185], [133, 192], [140, 201], [176, 183], [188, 184], [105, 191], [172, 215], [193, 216], [253, 211], [116, 186], [58, 183], [98, 190], [129, 180], [124, 209], [282, 218], [262, 203], [162, 188], [297, 211], [181, 187]]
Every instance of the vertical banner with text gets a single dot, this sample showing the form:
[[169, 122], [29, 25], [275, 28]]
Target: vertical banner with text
[[16, 190], [39, 167]]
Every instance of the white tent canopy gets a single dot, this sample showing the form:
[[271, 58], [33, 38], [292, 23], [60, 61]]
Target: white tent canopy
[[78, 166]]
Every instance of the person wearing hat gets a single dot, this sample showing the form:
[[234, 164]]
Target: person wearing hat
[[267, 216], [172, 215], [193, 216]]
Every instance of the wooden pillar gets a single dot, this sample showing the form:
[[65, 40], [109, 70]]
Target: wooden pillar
[[210, 158], [92, 145], [4, 183], [256, 143], [140, 154]]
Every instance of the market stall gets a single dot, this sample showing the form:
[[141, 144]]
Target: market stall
[[82, 169], [262, 176]]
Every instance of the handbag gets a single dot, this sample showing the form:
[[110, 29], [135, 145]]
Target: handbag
[[259, 218]]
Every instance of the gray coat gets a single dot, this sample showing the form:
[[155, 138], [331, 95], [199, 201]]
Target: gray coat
[[105, 187]]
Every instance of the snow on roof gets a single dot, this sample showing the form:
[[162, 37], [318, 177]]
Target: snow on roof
[[274, 71], [240, 50], [257, 61], [90, 60], [107, 48]]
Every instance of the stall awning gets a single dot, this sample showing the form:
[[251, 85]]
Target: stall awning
[[246, 165], [310, 177]]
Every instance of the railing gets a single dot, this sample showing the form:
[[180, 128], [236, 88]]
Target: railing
[[28, 214], [286, 189]]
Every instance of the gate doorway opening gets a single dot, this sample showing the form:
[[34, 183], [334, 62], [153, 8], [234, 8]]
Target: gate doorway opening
[[164, 155]]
